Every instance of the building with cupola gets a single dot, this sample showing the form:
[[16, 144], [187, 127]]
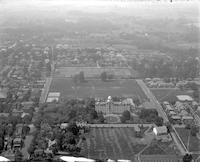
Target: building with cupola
[[108, 106]]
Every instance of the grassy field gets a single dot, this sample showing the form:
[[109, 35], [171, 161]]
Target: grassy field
[[191, 142], [114, 143], [118, 72], [167, 94], [96, 88]]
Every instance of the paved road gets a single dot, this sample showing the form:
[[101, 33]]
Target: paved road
[[153, 100], [116, 125], [45, 90], [47, 85], [162, 113]]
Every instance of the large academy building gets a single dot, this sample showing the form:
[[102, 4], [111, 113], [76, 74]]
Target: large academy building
[[112, 107]]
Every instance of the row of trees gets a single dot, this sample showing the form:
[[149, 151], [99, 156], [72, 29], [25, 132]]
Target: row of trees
[[151, 115], [105, 76], [79, 78]]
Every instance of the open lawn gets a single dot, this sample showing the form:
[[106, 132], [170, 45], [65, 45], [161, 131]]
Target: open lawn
[[121, 72], [113, 143], [167, 94], [191, 142], [96, 88]]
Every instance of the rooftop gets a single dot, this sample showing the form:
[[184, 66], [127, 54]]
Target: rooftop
[[184, 98], [160, 130], [54, 94]]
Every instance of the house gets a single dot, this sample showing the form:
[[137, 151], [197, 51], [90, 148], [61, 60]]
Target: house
[[39, 152], [17, 112], [27, 104], [7, 143], [184, 98], [17, 143], [161, 133], [64, 125], [187, 120], [160, 130], [4, 114], [176, 119]]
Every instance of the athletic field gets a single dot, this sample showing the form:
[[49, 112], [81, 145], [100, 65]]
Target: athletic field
[[96, 88]]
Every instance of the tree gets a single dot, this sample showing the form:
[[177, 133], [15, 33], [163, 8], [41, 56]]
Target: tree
[[73, 128], [103, 76], [81, 76], [48, 66], [123, 119], [169, 127], [194, 130], [14, 120], [126, 115], [25, 130], [93, 114], [110, 76], [26, 119], [90, 103], [101, 118], [31, 148], [72, 114], [1, 143], [159, 121], [148, 113], [18, 156], [196, 94], [187, 158], [136, 101]]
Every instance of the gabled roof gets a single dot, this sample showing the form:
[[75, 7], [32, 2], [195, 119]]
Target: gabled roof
[[160, 130]]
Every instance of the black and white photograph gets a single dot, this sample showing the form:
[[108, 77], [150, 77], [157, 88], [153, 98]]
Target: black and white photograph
[[99, 81]]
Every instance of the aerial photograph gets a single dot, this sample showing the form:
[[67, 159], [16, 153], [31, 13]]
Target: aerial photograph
[[100, 80]]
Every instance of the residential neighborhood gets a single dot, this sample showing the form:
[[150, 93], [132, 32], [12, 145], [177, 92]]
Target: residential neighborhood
[[106, 81]]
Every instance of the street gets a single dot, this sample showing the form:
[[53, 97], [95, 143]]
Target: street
[[153, 100], [162, 113]]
